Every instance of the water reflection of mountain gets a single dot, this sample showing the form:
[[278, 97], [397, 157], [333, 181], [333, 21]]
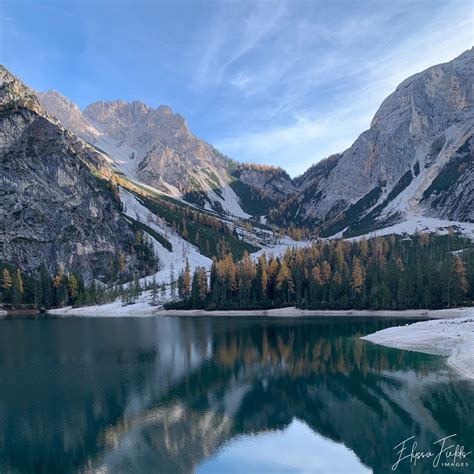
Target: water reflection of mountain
[[164, 394]]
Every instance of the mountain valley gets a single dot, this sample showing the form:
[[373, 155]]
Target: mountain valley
[[122, 189]]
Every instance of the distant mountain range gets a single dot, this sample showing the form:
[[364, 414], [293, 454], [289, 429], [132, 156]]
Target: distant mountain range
[[58, 167], [415, 159]]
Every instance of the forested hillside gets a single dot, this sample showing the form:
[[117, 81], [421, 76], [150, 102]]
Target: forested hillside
[[392, 272]]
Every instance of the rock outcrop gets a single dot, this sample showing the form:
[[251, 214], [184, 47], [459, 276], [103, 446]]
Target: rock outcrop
[[261, 188], [165, 153]]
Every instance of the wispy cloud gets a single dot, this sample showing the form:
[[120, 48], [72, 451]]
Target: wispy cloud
[[229, 40]]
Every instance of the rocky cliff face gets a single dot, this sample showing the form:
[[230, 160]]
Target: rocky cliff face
[[55, 205], [261, 188], [271, 182], [417, 136], [451, 193]]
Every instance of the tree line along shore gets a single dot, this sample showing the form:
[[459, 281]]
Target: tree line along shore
[[423, 271], [383, 273]]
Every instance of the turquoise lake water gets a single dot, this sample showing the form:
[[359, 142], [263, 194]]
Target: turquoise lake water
[[222, 395]]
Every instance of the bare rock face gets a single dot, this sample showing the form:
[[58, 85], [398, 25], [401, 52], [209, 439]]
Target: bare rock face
[[156, 147], [419, 140], [417, 131], [54, 206], [451, 193]]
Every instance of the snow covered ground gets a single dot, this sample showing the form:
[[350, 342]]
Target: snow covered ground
[[292, 312], [141, 308], [231, 202], [449, 337], [281, 247], [183, 250]]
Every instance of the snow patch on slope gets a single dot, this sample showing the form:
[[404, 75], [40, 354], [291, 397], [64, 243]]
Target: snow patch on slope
[[141, 308], [121, 155], [231, 203], [278, 249], [182, 249]]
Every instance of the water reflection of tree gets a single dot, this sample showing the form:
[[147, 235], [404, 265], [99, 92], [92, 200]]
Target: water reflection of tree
[[303, 352]]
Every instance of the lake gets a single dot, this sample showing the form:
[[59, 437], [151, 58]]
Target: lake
[[221, 395]]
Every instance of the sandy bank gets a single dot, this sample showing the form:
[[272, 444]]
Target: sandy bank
[[449, 337]]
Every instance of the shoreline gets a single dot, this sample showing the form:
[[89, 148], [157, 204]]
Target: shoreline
[[453, 338], [146, 310]]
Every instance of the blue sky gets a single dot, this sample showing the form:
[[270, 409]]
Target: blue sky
[[279, 82]]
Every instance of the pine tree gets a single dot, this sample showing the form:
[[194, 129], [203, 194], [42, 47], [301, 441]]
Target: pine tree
[[186, 284], [172, 282], [137, 289], [460, 281], [203, 288], [317, 275], [357, 283], [17, 281], [73, 288], [326, 271], [7, 281], [19, 278], [154, 291]]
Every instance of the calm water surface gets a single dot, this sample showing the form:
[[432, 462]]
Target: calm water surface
[[207, 395]]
